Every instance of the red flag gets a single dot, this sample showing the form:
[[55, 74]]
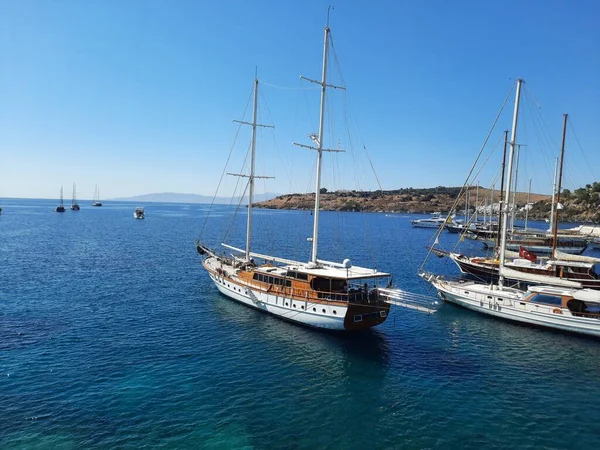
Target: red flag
[[524, 253]]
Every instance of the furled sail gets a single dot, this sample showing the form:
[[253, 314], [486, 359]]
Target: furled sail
[[581, 258], [539, 279]]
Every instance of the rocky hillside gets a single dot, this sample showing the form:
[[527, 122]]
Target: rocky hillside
[[582, 205], [407, 200]]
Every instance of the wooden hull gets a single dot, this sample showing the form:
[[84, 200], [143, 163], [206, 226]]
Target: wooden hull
[[490, 272], [336, 316]]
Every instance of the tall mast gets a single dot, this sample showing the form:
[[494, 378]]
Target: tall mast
[[553, 196], [501, 203], [514, 201], [252, 176], [513, 137], [315, 237], [319, 141], [527, 205], [476, 202], [562, 156]]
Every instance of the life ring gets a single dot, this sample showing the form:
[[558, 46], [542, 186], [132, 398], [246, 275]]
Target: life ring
[[557, 311]]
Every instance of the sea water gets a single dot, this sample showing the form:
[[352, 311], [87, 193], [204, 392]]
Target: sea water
[[112, 336]]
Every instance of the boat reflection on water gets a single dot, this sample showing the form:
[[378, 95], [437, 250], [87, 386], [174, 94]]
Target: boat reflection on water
[[324, 351]]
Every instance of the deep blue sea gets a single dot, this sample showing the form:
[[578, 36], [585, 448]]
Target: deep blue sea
[[112, 336]]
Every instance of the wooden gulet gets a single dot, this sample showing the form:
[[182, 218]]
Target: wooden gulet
[[319, 293]]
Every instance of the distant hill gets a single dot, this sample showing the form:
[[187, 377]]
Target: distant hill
[[406, 200], [174, 197]]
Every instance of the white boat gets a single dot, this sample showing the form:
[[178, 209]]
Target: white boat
[[317, 293], [96, 200], [575, 310], [563, 308], [435, 221], [138, 213]]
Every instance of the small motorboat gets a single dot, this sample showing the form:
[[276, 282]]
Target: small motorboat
[[138, 213]]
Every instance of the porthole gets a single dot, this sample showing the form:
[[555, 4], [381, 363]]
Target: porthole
[[294, 305], [334, 311], [286, 304], [302, 307], [324, 311], [315, 309]]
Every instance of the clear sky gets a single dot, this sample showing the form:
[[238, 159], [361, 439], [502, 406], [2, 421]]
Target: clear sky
[[137, 96]]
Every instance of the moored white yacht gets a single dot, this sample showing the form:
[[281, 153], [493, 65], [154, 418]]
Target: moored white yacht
[[563, 308], [318, 293], [435, 221]]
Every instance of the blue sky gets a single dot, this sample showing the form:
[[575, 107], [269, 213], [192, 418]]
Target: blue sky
[[138, 96]]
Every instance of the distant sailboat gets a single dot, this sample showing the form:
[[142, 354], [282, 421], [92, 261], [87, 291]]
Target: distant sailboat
[[74, 204], [60, 207], [96, 199]]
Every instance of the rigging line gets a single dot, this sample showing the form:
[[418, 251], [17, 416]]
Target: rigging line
[[471, 218], [544, 138], [569, 121], [441, 228], [286, 163], [539, 136], [311, 121], [235, 191], [225, 167], [229, 231], [460, 195], [540, 118], [289, 88]]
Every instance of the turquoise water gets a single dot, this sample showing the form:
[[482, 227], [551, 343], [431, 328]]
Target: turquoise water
[[111, 336]]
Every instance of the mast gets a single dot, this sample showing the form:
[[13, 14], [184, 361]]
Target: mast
[[562, 155], [252, 176], [527, 205], [61, 196], [500, 201], [476, 202], [553, 195], [315, 237], [74, 195], [514, 201], [513, 137], [319, 141]]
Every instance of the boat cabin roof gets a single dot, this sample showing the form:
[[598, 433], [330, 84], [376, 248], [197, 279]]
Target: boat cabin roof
[[588, 295], [339, 273]]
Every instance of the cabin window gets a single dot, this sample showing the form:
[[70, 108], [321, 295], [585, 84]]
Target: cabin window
[[298, 275], [288, 283], [547, 299], [255, 276], [358, 318], [382, 313]]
